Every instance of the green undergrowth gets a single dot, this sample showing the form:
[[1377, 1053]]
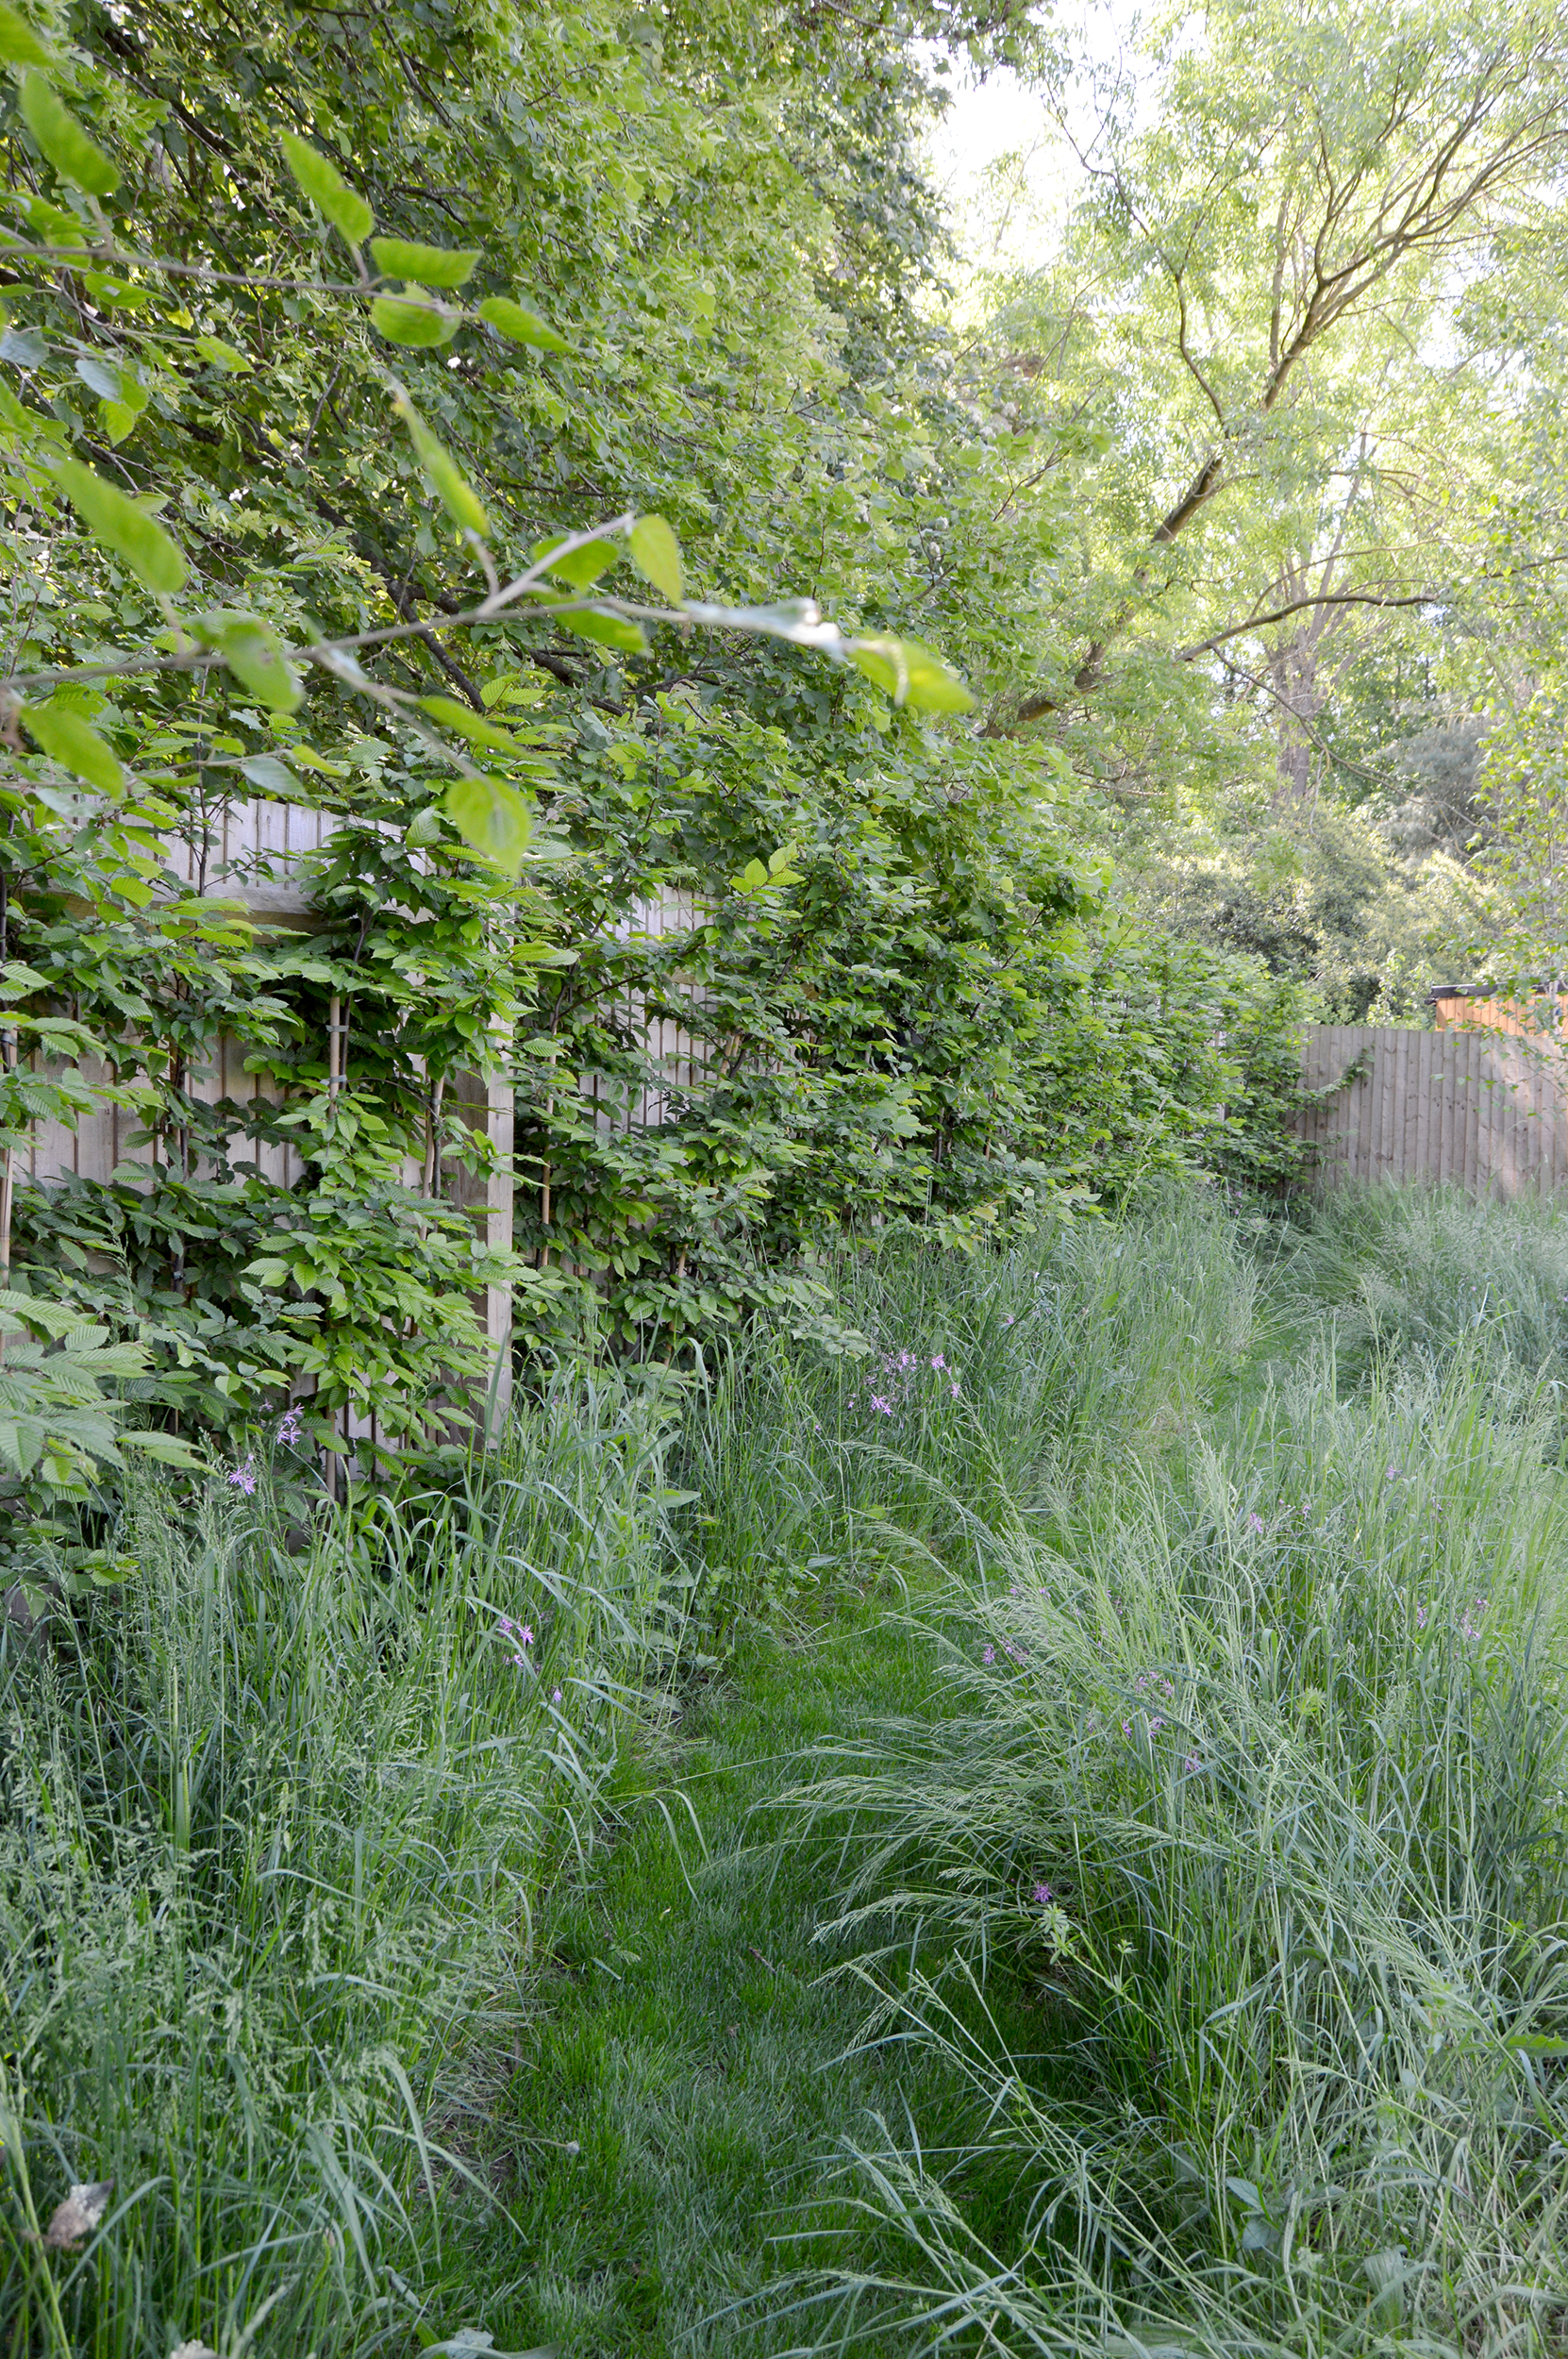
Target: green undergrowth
[[1260, 1788], [689, 2066], [1044, 1830], [278, 1815]]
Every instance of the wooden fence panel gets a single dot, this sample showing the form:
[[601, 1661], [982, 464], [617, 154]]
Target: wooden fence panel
[[1482, 1110]]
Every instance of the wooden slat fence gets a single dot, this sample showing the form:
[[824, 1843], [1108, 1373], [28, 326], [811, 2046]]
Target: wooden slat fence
[[1473, 1109]]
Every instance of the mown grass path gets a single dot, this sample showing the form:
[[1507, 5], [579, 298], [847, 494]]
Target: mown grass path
[[687, 2074]]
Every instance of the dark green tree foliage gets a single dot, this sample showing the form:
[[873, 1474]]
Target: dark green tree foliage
[[925, 1014], [440, 284]]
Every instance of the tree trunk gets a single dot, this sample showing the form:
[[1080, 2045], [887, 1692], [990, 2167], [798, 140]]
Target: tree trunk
[[1299, 701]]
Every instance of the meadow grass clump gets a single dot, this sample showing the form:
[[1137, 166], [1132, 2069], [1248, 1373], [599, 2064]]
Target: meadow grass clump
[[973, 1377], [275, 1820], [1254, 1782], [1428, 1271]]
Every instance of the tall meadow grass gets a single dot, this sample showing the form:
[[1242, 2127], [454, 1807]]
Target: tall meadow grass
[[983, 1382], [276, 1814], [1255, 1782], [1242, 1563]]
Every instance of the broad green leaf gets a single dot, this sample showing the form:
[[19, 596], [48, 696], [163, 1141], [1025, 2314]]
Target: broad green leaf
[[18, 1312], [74, 157], [327, 191], [519, 326], [51, 225], [428, 266], [755, 878], [509, 688], [19, 43], [272, 776], [167, 1449], [24, 348], [254, 653], [16, 415], [17, 979], [223, 356], [403, 322], [119, 422], [426, 828], [123, 527], [101, 376], [910, 673], [115, 293], [492, 817], [611, 630], [656, 553], [75, 744], [452, 715], [580, 567], [458, 497]]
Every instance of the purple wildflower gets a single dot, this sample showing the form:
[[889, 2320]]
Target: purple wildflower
[[939, 1361], [882, 1408], [1255, 1523], [1155, 1725], [288, 1427], [1008, 1321], [1192, 1765], [506, 1626], [990, 1655], [520, 1661], [526, 1634], [955, 1392], [1420, 1616], [1393, 1474], [555, 1697], [242, 1478], [1042, 1894]]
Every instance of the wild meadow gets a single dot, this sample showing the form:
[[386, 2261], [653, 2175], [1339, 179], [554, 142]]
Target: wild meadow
[[1045, 1832]]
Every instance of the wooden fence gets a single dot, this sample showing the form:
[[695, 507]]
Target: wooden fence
[[1475, 1108]]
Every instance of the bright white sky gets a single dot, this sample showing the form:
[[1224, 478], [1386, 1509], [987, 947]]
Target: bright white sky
[[1007, 172]]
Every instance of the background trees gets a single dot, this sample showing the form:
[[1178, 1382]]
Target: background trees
[[1278, 375]]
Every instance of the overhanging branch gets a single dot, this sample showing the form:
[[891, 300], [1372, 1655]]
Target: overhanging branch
[[1298, 606]]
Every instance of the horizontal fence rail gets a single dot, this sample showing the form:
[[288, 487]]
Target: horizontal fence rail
[[1476, 1109]]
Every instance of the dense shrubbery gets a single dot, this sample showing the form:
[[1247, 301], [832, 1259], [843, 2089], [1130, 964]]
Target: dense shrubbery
[[912, 1001]]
